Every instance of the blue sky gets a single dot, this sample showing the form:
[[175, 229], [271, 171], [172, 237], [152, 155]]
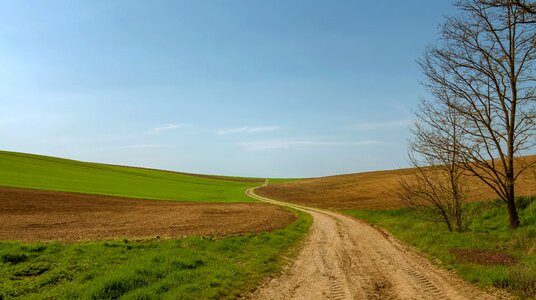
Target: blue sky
[[252, 88]]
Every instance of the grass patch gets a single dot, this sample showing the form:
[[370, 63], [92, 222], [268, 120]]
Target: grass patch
[[188, 268], [282, 180], [50, 173], [485, 254]]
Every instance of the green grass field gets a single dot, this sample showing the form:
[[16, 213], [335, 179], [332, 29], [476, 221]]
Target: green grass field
[[50, 173], [188, 268], [281, 180], [488, 231]]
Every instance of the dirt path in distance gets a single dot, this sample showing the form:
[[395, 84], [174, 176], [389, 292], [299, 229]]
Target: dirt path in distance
[[344, 258]]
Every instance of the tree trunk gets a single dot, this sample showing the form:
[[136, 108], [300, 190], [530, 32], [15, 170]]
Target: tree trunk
[[510, 186], [512, 210], [459, 220], [447, 220]]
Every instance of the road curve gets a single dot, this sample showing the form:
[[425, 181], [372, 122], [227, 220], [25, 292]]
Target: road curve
[[344, 258]]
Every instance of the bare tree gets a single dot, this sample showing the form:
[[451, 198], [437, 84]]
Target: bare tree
[[485, 63], [438, 189], [529, 7]]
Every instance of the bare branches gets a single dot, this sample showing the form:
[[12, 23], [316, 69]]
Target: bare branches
[[483, 72], [528, 7], [437, 191]]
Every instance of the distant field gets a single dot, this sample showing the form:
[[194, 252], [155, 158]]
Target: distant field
[[369, 190], [281, 180], [53, 199], [57, 174]]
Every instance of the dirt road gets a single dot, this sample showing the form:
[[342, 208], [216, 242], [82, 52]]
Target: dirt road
[[344, 258]]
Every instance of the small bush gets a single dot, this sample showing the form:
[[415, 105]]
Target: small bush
[[14, 258]]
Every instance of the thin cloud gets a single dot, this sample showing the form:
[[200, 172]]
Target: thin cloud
[[300, 143], [140, 146], [381, 125], [247, 129], [169, 127], [166, 127]]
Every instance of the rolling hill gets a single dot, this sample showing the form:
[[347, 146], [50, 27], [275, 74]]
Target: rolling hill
[[370, 190], [50, 173]]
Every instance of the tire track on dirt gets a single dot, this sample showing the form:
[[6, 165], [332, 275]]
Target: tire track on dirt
[[344, 258]]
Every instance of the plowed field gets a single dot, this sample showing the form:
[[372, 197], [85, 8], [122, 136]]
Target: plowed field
[[29, 215], [372, 190]]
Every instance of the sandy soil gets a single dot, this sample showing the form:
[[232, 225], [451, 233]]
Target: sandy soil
[[30, 215], [344, 258], [373, 190]]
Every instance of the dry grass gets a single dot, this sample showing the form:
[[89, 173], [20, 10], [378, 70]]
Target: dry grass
[[371, 190]]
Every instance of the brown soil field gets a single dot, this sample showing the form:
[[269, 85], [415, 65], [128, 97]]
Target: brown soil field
[[372, 190], [31, 215]]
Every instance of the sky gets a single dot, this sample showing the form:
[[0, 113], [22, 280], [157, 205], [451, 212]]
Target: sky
[[243, 87]]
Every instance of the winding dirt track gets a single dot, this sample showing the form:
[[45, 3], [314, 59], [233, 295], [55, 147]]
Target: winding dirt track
[[344, 258]]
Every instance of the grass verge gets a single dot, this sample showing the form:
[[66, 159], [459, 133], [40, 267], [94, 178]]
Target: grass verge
[[489, 253], [188, 268]]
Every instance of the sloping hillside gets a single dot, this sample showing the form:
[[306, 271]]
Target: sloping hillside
[[57, 174], [370, 190]]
